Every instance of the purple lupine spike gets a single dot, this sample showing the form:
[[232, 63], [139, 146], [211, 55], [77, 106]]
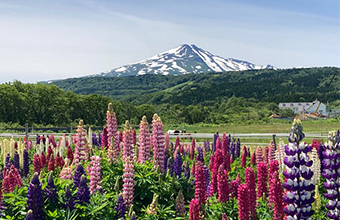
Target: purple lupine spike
[[69, 200], [215, 139], [83, 193], [187, 171], [170, 164], [207, 176], [166, 157], [35, 197], [133, 216], [8, 162], [26, 168], [94, 139], [77, 175], [29, 215], [120, 208], [16, 160], [99, 138], [238, 148], [177, 167], [200, 156], [37, 139], [50, 190]]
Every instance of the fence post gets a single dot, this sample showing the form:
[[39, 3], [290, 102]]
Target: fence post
[[26, 131], [274, 135]]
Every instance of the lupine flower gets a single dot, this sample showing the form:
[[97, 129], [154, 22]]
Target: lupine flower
[[218, 160], [120, 208], [153, 208], [69, 154], [134, 137], [104, 139], [250, 181], [298, 174], [80, 142], [49, 152], [166, 142], [50, 190], [222, 184], [244, 156], [262, 178], [177, 167], [331, 172], [52, 140], [133, 216], [200, 188], [29, 215], [234, 184], [127, 142], [8, 162], [276, 195], [58, 161], [35, 198], [112, 153], [224, 217], [144, 141], [77, 175], [259, 156], [238, 148], [166, 157], [95, 175], [128, 179], [253, 159], [36, 163], [271, 152], [25, 163], [43, 159], [83, 193], [200, 154], [180, 205], [158, 142], [177, 143], [206, 176], [69, 200], [120, 136], [273, 167], [243, 202], [112, 129], [192, 149], [194, 209], [66, 172], [16, 160], [11, 179], [266, 154], [94, 139], [51, 163], [186, 170]]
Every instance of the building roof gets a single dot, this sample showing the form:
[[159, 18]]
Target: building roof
[[301, 106]]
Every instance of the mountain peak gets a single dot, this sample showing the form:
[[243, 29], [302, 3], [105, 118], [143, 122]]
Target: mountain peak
[[184, 59]]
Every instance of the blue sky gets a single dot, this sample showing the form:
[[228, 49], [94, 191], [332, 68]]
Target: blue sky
[[43, 40]]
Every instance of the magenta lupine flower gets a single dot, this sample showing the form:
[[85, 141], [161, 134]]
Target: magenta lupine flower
[[271, 153], [200, 188], [234, 184], [266, 154], [276, 195], [11, 178], [243, 202], [253, 159], [80, 142], [192, 149], [250, 181], [262, 176], [218, 160], [194, 209], [225, 217], [158, 142], [112, 129], [36, 163], [128, 179], [225, 152], [259, 155], [104, 139], [244, 157], [144, 141], [273, 167], [177, 144], [127, 142], [222, 185], [95, 175], [167, 143]]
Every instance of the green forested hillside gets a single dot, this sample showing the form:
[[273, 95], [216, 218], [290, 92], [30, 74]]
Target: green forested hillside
[[286, 85]]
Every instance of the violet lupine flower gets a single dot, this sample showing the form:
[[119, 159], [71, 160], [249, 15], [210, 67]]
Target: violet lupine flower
[[298, 176], [192, 149], [158, 142], [77, 175], [170, 165], [120, 208], [276, 195], [180, 205], [8, 162], [177, 167], [166, 157], [222, 185], [200, 188], [194, 209], [112, 130], [248, 152], [200, 156], [99, 139], [262, 178], [26, 168], [331, 172], [83, 193], [104, 139], [29, 215], [144, 141], [94, 139], [80, 142], [16, 160], [128, 150], [206, 176], [250, 181], [35, 198], [243, 202], [95, 175], [50, 190], [69, 200], [187, 171], [128, 179], [238, 148]]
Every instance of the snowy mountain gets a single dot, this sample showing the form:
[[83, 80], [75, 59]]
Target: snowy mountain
[[182, 60]]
